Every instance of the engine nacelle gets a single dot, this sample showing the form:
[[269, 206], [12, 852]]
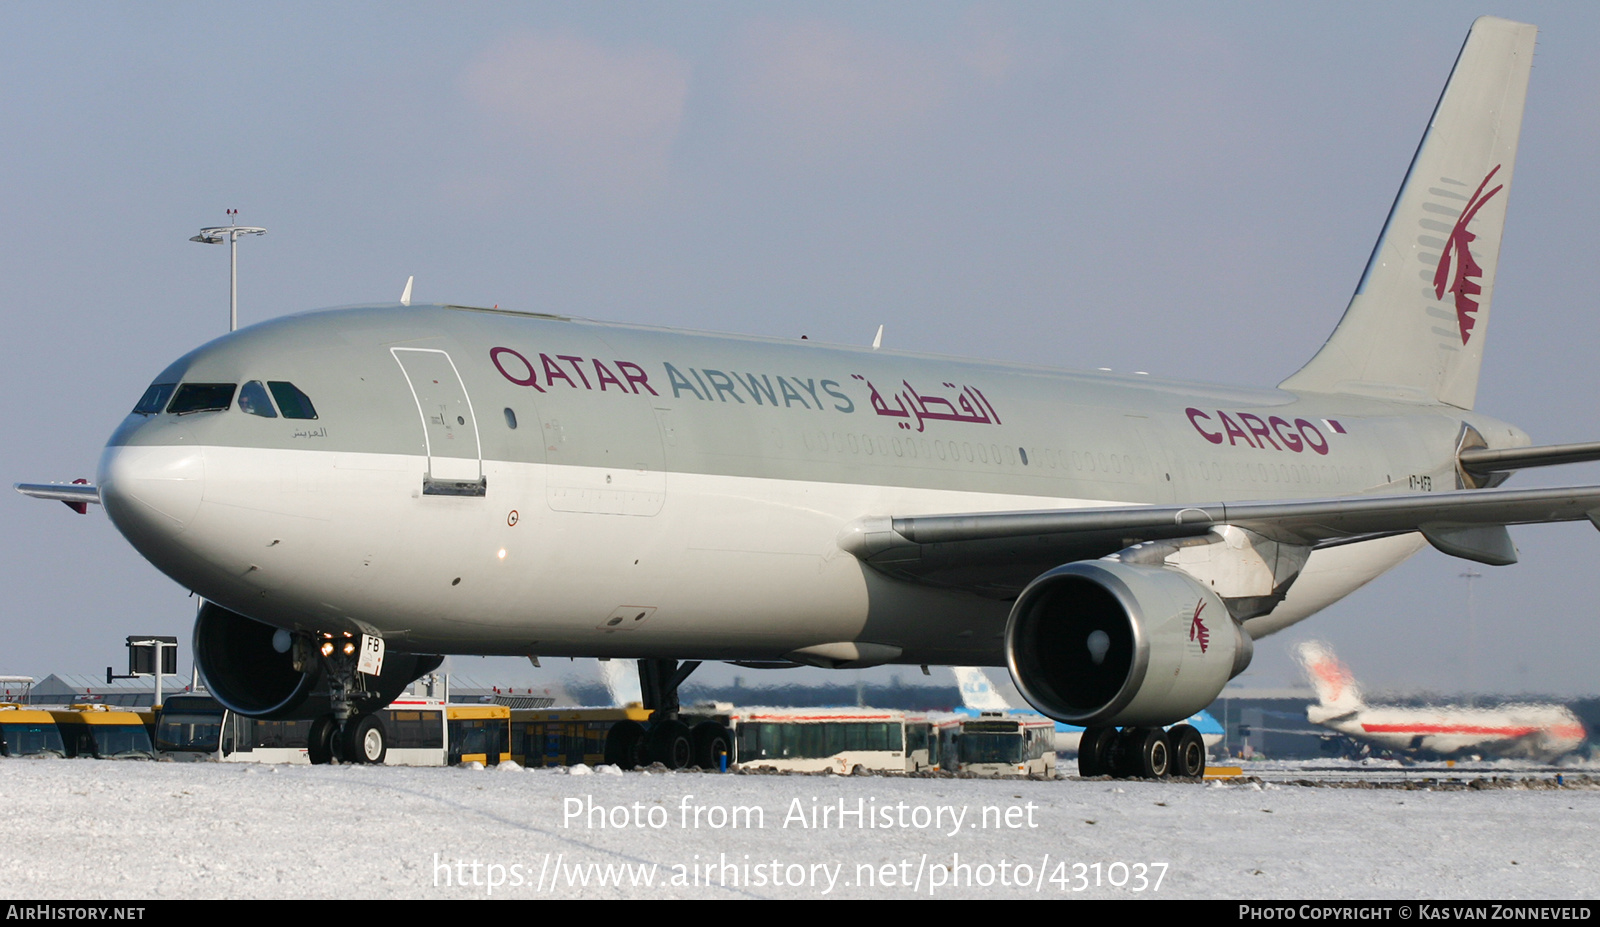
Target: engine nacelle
[[1101, 642], [248, 673]]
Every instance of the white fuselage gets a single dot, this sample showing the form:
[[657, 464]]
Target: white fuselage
[[725, 567], [661, 518]]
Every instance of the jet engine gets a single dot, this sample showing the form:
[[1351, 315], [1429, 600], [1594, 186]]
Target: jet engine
[[251, 668], [1101, 642]]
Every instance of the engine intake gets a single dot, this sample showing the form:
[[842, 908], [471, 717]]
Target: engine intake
[[249, 675], [1108, 643]]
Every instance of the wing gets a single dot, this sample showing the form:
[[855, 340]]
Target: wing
[[998, 553], [77, 494]]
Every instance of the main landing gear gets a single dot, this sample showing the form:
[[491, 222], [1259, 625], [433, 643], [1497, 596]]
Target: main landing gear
[[1142, 752], [666, 739]]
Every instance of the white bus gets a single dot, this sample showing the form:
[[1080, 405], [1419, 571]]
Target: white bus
[[409, 732], [999, 744], [196, 727], [841, 740]]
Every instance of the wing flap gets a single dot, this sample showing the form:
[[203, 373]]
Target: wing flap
[[997, 549]]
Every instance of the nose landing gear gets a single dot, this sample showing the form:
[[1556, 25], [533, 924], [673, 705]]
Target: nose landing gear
[[353, 732]]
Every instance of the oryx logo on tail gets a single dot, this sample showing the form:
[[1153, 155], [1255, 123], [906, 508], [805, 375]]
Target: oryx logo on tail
[[1465, 285]]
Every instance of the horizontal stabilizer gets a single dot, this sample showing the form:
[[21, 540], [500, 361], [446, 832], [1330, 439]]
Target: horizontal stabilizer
[[77, 495], [1482, 461]]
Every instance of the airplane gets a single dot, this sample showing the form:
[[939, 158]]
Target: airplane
[[355, 492], [1537, 732], [978, 696]]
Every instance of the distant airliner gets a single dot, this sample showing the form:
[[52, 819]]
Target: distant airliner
[[1538, 732], [356, 491]]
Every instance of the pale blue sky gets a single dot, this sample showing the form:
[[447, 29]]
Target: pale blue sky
[[1190, 190]]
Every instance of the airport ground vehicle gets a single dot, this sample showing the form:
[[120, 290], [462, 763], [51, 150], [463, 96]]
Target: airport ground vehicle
[[409, 732], [416, 731], [566, 736], [197, 727], [28, 731], [105, 733], [477, 734], [841, 739], [1000, 744], [718, 735]]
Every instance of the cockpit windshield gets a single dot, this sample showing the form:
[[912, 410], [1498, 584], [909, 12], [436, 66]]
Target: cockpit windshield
[[202, 397], [155, 398], [253, 399], [291, 402]]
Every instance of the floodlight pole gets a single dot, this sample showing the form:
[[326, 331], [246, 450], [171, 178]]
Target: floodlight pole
[[216, 235]]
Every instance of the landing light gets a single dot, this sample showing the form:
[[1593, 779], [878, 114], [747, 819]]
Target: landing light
[[327, 648], [502, 553]]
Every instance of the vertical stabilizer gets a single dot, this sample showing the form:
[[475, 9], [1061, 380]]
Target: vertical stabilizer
[[1334, 685], [622, 681], [1415, 328], [977, 692]]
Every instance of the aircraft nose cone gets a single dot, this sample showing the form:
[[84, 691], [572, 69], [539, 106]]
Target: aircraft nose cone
[[152, 491]]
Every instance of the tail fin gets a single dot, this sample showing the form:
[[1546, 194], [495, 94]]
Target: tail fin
[[622, 682], [977, 692], [1414, 329], [1334, 685]]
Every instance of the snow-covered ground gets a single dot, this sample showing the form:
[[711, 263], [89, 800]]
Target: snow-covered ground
[[107, 830]]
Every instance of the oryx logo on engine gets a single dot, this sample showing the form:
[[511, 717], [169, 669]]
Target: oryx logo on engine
[[1197, 628]]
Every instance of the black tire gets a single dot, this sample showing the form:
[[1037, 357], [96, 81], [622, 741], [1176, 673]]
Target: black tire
[[365, 740], [1188, 752], [670, 745], [624, 744], [320, 742], [1094, 751], [711, 744], [1146, 753]]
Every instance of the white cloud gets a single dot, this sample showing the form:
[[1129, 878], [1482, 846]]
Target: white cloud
[[598, 114], [827, 88]]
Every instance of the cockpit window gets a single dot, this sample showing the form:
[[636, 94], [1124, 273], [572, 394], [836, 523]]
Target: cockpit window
[[202, 397], [292, 402], [253, 399], [155, 398]]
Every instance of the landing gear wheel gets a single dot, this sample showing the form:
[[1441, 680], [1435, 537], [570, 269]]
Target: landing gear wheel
[[1188, 752], [365, 740], [1094, 751], [321, 741], [625, 745], [670, 745], [1146, 754], [711, 745]]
